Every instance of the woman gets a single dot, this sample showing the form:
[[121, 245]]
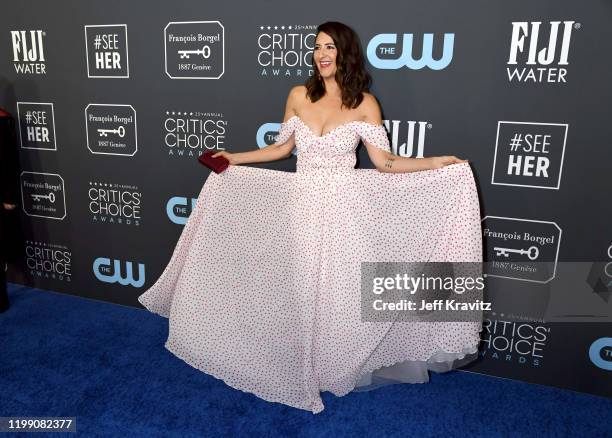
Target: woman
[[263, 287]]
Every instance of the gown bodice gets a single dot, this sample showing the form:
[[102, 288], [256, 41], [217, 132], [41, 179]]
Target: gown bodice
[[334, 149]]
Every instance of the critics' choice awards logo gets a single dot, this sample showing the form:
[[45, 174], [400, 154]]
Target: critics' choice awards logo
[[194, 49], [286, 50], [114, 203], [600, 353], [521, 249], [538, 53], [178, 209], [119, 271], [29, 52], [514, 342], [36, 125], [191, 133], [48, 260], [406, 140], [106, 49], [43, 195], [385, 51], [111, 129], [529, 154]]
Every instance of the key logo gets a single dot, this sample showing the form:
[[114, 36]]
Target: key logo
[[36, 125], [521, 249], [194, 49], [106, 49], [529, 154], [43, 195], [111, 129]]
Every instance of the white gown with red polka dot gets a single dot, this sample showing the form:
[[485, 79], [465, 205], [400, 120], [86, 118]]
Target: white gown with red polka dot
[[263, 288]]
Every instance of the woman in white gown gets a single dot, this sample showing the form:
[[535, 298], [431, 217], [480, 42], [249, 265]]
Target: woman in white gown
[[263, 287]]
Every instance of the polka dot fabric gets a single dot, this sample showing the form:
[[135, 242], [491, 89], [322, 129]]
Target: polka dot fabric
[[263, 287]]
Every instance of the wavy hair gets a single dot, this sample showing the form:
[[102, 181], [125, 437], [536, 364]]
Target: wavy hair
[[351, 74]]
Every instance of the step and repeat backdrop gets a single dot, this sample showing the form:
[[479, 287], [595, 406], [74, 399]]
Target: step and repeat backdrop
[[114, 101]]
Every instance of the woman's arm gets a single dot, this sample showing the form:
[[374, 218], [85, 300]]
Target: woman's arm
[[390, 163], [271, 152]]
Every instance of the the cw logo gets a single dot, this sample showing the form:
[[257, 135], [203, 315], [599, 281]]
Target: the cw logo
[[406, 59], [600, 353], [108, 272], [178, 204]]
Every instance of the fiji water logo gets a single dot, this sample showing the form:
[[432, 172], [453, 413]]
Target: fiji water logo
[[178, 210], [110, 271], [530, 60], [28, 51], [383, 52], [600, 353]]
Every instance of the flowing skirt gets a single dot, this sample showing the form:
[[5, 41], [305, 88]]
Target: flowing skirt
[[263, 288]]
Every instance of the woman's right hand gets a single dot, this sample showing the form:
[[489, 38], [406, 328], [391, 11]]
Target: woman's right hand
[[231, 158], [445, 160]]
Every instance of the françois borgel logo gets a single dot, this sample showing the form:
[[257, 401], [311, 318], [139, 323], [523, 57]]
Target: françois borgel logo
[[191, 133], [36, 125], [541, 60], [529, 154], [111, 129], [48, 260], [521, 249], [114, 203], [286, 50], [386, 52], [194, 49], [107, 51], [118, 271], [29, 52], [43, 195]]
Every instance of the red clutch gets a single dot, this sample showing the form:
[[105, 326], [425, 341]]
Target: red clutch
[[217, 164]]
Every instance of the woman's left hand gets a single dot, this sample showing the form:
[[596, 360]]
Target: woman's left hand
[[445, 160]]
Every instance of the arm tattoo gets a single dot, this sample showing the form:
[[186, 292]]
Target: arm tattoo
[[389, 162]]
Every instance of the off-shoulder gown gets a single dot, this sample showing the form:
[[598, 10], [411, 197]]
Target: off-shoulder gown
[[263, 287]]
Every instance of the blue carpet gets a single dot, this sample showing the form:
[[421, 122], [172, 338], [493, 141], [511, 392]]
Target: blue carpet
[[106, 365]]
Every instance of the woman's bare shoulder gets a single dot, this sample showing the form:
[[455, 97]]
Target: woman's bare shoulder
[[298, 92], [369, 108]]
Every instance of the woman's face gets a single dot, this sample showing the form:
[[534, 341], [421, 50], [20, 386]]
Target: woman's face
[[324, 55]]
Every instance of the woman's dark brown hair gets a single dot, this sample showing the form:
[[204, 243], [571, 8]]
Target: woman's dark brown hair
[[351, 74]]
